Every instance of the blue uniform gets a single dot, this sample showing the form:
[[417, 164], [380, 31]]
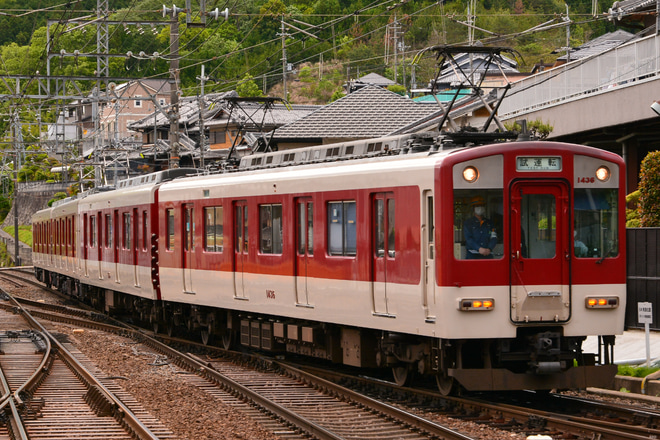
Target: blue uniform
[[478, 234]]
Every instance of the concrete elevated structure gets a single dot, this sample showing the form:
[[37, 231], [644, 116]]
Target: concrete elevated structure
[[603, 101]]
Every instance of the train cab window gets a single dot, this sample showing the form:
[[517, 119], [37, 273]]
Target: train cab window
[[478, 224], [127, 230], [270, 233], [342, 228], [213, 225], [596, 228], [92, 231], [170, 229]]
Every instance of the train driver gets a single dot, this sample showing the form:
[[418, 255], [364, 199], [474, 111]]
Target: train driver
[[479, 232]]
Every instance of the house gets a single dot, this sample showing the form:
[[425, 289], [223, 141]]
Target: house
[[229, 121], [128, 103], [369, 112]]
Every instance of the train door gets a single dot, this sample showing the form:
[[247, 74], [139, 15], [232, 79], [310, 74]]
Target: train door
[[383, 248], [240, 247], [188, 247], [428, 254], [540, 252], [304, 248]]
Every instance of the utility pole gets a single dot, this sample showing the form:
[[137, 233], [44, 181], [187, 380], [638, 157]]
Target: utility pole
[[202, 105], [284, 63], [16, 134], [174, 85]]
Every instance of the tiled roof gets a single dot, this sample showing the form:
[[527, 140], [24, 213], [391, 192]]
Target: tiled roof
[[369, 112], [276, 116], [624, 7], [601, 44], [188, 111], [375, 79]]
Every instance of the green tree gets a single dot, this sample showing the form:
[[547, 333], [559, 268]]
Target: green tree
[[649, 190], [248, 88]]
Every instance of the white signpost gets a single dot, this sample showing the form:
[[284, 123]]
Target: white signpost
[[645, 316]]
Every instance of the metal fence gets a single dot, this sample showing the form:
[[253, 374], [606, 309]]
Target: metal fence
[[634, 61], [643, 249]]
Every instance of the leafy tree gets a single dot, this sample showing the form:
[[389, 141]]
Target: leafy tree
[[398, 89], [56, 197], [248, 88], [649, 190]]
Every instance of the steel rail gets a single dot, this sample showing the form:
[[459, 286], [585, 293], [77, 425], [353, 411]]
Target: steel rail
[[119, 410]]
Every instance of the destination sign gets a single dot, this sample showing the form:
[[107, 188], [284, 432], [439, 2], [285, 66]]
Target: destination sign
[[538, 163]]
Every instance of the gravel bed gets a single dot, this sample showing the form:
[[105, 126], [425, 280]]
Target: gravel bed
[[162, 389], [188, 411]]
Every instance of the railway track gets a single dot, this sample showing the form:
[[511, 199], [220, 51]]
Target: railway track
[[295, 402], [51, 394], [301, 404]]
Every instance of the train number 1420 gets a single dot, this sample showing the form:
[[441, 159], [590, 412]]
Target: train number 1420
[[585, 180]]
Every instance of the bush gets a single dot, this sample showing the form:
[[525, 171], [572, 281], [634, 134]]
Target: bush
[[632, 210], [649, 190], [635, 371], [56, 197]]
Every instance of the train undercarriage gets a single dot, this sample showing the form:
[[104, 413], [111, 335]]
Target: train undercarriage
[[539, 358]]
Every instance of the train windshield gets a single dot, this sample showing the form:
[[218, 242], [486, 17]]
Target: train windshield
[[478, 224], [596, 223]]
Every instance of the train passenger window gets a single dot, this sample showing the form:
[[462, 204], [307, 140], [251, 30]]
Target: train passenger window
[[596, 223], [144, 230], [127, 230], [108, 231], [270, 234], [170, 229], [478, 216], [213, 229], [384, 227], [92, 231], [306, 228], [189, 232], [342, 228]]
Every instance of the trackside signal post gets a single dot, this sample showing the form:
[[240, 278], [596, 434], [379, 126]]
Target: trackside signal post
[[645, 316]]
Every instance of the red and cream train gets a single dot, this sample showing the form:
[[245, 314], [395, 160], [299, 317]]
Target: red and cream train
[[362, 261]]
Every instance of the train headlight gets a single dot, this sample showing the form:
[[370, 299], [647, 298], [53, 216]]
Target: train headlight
[[471, 174], [470, 304], [603, 174], [602, 302]]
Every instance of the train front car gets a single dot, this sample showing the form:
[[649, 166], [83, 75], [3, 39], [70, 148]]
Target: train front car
[[530, 262]]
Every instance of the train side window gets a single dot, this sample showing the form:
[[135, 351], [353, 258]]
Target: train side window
[[170, 229], [92, 231], [108, 231], [342, 228], [478, 231], [270, 234], [144, 230], [213, 229], [127, 230]]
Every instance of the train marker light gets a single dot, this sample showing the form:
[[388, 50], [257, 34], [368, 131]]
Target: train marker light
[[603, 302], [471, 174], [476, 304], [603, 173]]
